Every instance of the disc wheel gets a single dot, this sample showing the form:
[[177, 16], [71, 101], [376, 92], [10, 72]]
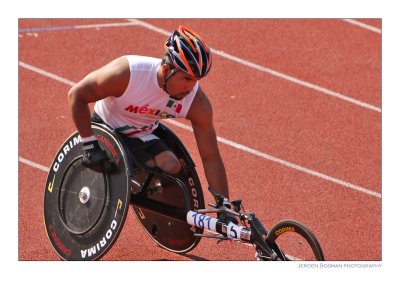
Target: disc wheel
[[293, 241], [82, 198], [84, 210]]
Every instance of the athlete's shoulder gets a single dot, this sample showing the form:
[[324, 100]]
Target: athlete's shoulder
[[201, 108]]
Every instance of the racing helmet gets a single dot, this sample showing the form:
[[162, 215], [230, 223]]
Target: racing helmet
[[188, 52]]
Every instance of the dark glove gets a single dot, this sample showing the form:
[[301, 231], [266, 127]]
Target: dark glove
[[226, 217], [95, 158]]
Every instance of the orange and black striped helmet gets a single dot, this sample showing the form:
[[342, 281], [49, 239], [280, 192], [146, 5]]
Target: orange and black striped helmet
[[189, 52]]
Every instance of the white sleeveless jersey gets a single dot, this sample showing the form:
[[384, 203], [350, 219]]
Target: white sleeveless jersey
[[138, 111]]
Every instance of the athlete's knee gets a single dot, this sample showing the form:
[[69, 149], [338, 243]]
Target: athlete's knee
[[171, 166], [168, 162]]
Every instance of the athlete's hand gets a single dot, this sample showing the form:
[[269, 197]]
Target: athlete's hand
[[95, 158]]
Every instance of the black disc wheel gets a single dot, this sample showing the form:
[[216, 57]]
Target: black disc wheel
[[85, 210], [293, 241], [82, 198]]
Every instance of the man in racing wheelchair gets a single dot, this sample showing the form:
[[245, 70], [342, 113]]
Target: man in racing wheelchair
[[133, 93]]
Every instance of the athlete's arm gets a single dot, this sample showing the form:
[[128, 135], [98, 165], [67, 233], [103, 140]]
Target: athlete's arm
[[110, 80], [201, 116]]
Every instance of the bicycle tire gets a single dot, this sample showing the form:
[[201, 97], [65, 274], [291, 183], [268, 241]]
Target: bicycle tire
[[287, 237]]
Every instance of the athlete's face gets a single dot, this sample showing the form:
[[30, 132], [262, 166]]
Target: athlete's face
[[180, 84]]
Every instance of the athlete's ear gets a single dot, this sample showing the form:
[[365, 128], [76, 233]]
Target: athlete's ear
[[165, 69]]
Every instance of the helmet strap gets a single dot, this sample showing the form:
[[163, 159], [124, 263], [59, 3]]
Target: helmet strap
[[166, 78]]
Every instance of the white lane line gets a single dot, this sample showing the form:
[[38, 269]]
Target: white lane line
[[46, 74], [272, 72], [283, 162], [299, 82], [363, 25], [234, 144], [90, 26], [33, 164], [133, 22]]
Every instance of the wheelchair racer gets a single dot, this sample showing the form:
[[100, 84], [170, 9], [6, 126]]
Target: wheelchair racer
[[133, 93]]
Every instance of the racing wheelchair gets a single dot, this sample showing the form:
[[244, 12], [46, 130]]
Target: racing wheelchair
[[85, 210]]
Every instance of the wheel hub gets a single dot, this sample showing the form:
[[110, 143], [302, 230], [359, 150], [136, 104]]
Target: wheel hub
[[84, 195]]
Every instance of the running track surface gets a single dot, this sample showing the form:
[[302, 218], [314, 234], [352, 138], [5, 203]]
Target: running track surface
[[300, 100]]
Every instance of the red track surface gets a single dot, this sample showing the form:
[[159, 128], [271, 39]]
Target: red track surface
[[269, 114]]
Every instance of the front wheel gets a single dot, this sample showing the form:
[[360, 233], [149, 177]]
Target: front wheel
[[293, 241]]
